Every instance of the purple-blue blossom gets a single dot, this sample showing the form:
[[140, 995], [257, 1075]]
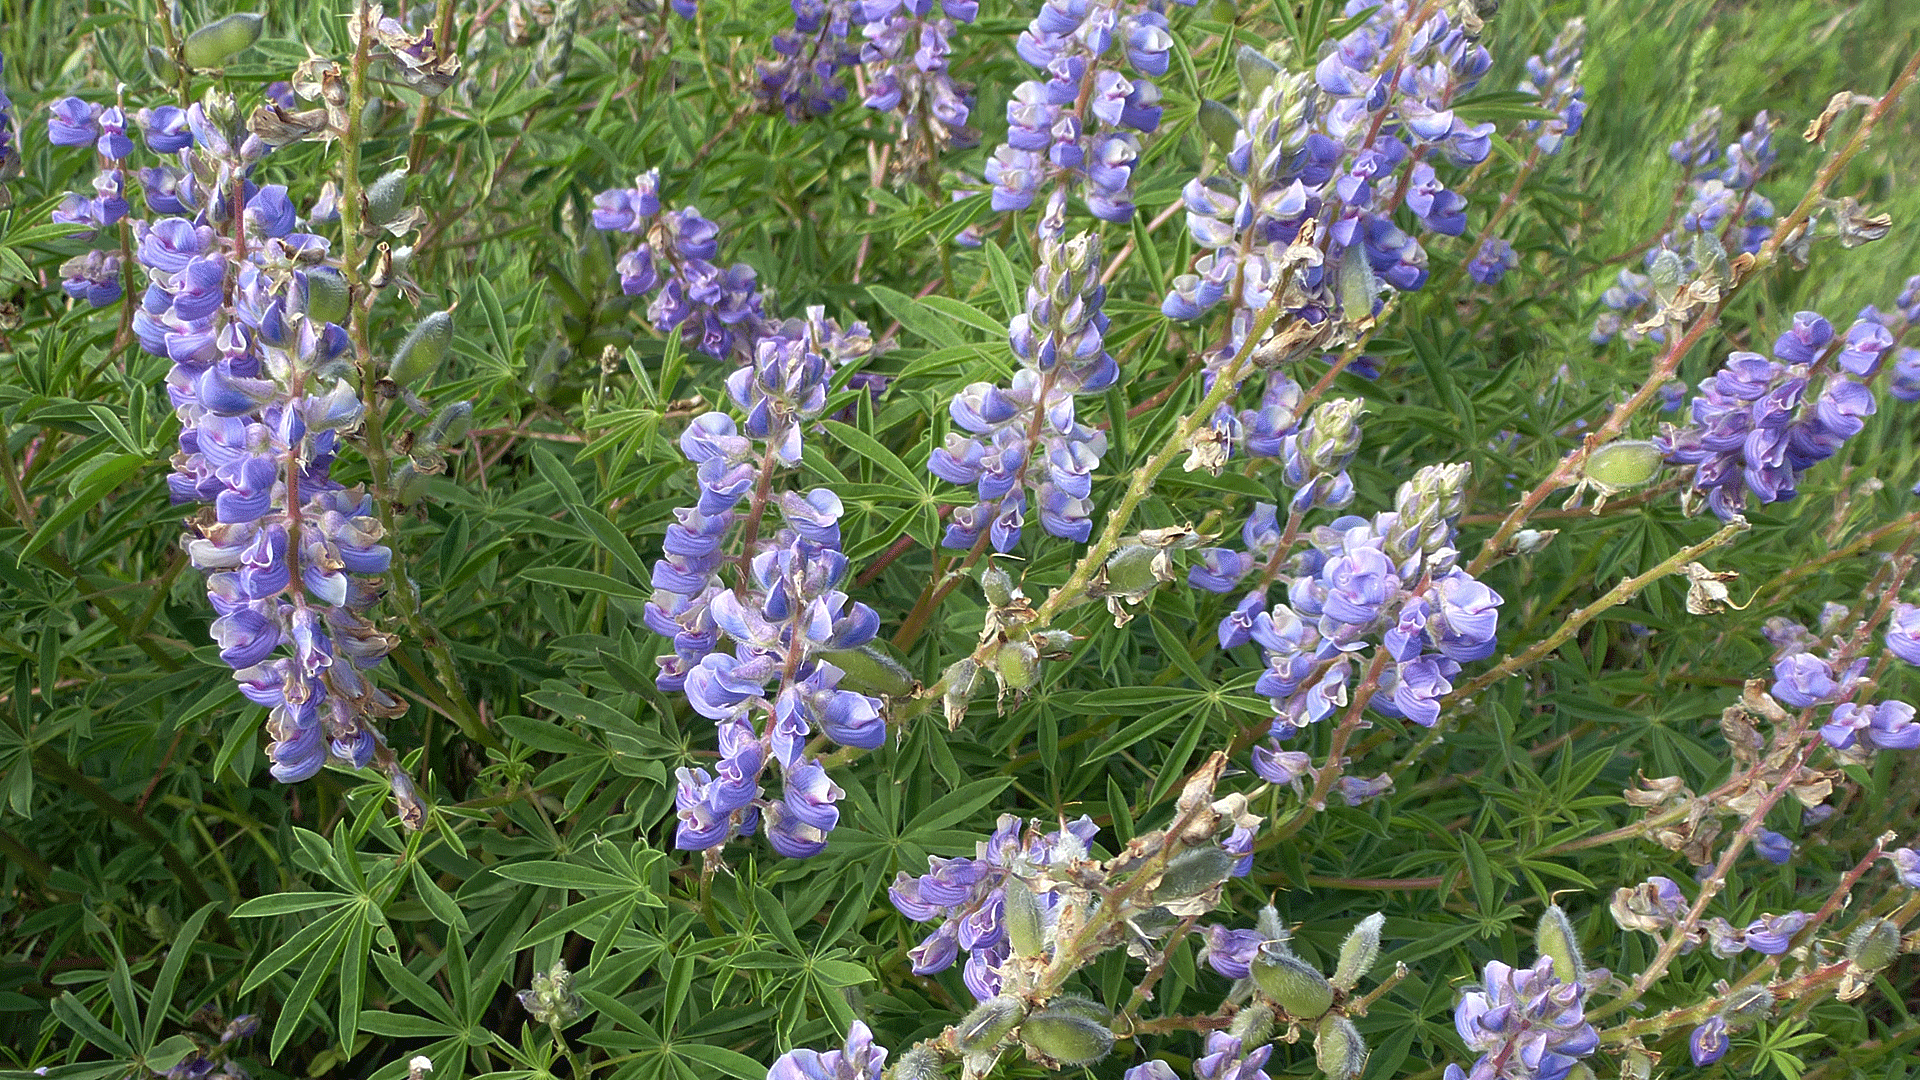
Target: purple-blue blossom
[[1903, 633], [1708, 1043], [1888, 725], [1554, 78], [804, 77], [1525, 1023], [1906, 866], [905, 58], [859, 1059], [718, 312]]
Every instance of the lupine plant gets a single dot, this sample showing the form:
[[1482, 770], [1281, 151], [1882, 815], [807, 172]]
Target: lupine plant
[[894, 540]]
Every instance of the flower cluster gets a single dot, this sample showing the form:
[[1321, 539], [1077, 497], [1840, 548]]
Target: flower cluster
[[1077, 127], [1724, 209], [785, 615], [1391, 583], [1905, 379], [859, 1059], [803, 78], [1755, 426], [1525, 1023], [1554, 78], [241, 302], [718, 312], [95, 276], [1657, 905], [1026, 435], [1226, 1058], [968, 896], [906, 62]]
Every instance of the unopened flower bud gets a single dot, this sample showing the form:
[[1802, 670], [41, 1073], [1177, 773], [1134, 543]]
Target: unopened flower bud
[[1293, 984], [1358, 952], [419, 1066], [1253, 1025], [1193, 872], [1338, 1048], [212, 44], [1625, 464], [552, 999], [422, 350], [1874, 945], [1067, 1034], [1025, 932], [1018, 665], [1554, 937], [989, 1022], [997, 585], [386, 197]]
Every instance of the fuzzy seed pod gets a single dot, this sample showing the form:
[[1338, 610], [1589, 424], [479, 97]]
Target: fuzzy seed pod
[[1253, 1025], [1295, 985], [1270, 927], [1219, 123], [1018, 665], [451, 425], [1874, 945], [1066, 1034], [961, 677], [409, 484], [386, 197], [1193, 872], [997, 585], [1555, 937], [212, 44], [423, 349], [161, 66], [1075, 1005], [1025, 931], [1256, 72], [988, 1023], [326, 295], [1338, 1048], [1358, 952], [1625, 464], [1130, 571], [871, 671], [918, 1063], [1748, 1006]]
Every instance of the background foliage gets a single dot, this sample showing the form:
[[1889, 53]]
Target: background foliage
[[150, 867]]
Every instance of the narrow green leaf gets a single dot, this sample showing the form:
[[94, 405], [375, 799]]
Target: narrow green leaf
[[927, 323]]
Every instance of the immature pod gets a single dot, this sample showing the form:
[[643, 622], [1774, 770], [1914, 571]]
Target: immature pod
[[386, 197], [1358, 952], [423, 349], [1018, 665], [1253, 1025], [1256, 72], [1130, 571], [1025, 931], [1219, 124], [1625, 464], [1555, 937], [1193, 872], [326, 295], [451, 425], [1068, 1033], [1874, 945], [918, 1063], [997, 585], [1269, 924], [961, 677], [871, 671], [409, 484], [161, 66], [989, 1022], [212, 44], [1748, 1006], [1293, 984], [1338, 1048]]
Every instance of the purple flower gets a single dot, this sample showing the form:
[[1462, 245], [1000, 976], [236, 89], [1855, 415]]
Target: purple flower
[[1708, 1043], [1230, 952], [859, 1059], [1888, 725], [1492, 261], [1773, 847], [1906, 866], [1803, 680], [1527, 1019], [1903, 633]]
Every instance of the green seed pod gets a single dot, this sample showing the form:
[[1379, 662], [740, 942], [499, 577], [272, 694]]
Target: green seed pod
[[161, 66], [961, 677], [386, 197], [1219, 123], [1130, 571], [423, 349], [326, 295], [409, 484], [1256, 72], [1338, 1048], [1025, 931], [871, 671], [1269, 924], [1358, 286], [1075, 1005], [1748, 1006], [212, 44], [1580, 1071], [1358, 952], [1293, 984], [1018, 665], [1067, 1036], [1193, 872], [1253, 1025], [451, 425], [997, 585], [1874, 945], [1636, 1064], [988, 1023], [1555, 937], [918, 1063], [1627, 464]]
